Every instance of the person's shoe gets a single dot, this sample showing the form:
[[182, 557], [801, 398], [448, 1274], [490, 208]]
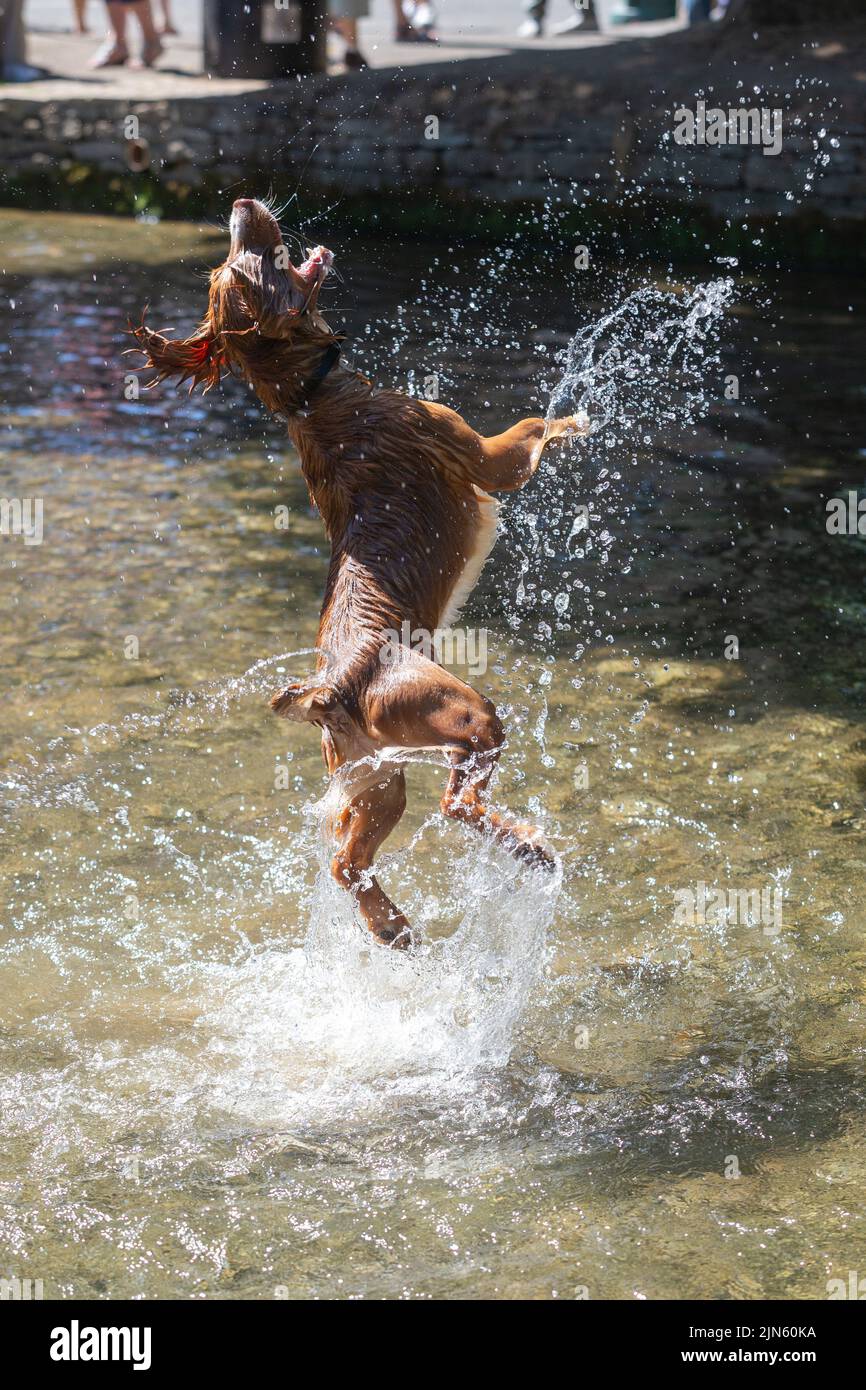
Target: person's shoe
[[21, 72], [407, 33], [354, 60], [581, 22], [110, 55], [423, 20], [531, 29]]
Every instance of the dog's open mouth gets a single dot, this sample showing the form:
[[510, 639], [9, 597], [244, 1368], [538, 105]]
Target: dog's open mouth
[[255, 231], [318, 263]]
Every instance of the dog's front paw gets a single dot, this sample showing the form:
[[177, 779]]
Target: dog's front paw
[[395, 933], [525, 843]]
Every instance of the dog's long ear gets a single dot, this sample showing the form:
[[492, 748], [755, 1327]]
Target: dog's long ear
[[274, 292], [197, 359]]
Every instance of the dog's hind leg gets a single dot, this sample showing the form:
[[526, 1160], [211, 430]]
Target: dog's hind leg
[[361, 826], [366, 816]]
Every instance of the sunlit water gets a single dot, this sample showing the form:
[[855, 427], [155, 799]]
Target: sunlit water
[[213, 1085]]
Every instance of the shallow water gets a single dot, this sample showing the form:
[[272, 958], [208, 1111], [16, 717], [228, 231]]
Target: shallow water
[[212, 1085]]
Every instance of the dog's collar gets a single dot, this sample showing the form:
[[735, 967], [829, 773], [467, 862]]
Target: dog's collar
[[330, 358]]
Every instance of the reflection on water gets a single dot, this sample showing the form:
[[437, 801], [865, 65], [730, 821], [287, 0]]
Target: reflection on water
[[212, 1085]]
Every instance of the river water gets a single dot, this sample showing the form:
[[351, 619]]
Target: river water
[[212, 1085]]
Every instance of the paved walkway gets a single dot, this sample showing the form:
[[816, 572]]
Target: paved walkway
[[484, 28]]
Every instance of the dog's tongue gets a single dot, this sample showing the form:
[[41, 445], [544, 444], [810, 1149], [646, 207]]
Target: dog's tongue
[[318, 263]]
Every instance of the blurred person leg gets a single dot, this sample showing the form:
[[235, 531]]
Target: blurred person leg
[[167, 25], [152, 44], [344, 15], [79, 10], [403, 29], [418, 18], [583, 21], [115, 50], [533, 25]]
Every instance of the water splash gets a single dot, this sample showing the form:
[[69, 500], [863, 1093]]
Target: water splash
[[286, 1034], [651, 363], [651, 366], [340, 1029]]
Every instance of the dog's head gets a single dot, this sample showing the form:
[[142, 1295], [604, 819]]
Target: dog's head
[[262, 318]]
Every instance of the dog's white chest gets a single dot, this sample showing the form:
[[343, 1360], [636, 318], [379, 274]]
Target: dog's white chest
[[485, 539]]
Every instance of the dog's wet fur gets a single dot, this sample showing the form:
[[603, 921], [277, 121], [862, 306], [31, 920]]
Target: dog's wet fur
[[404, 490]]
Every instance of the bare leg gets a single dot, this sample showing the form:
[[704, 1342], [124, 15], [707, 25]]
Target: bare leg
[[117, 15], [402, 28], [144, 16], [348, 29], [168, 25], [115, 51]]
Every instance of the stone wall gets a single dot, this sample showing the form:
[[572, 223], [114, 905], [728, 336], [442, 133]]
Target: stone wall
[[487, 136]]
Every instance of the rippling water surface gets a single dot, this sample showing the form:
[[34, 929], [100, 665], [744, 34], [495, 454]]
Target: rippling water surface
[[212, 1084]]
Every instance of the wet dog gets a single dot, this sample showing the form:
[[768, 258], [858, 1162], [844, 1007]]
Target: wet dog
[[404, 490]]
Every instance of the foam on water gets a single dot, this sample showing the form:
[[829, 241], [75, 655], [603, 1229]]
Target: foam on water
[[334, 1030]]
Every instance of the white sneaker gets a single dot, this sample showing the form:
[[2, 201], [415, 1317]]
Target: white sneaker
[[530, 29]]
